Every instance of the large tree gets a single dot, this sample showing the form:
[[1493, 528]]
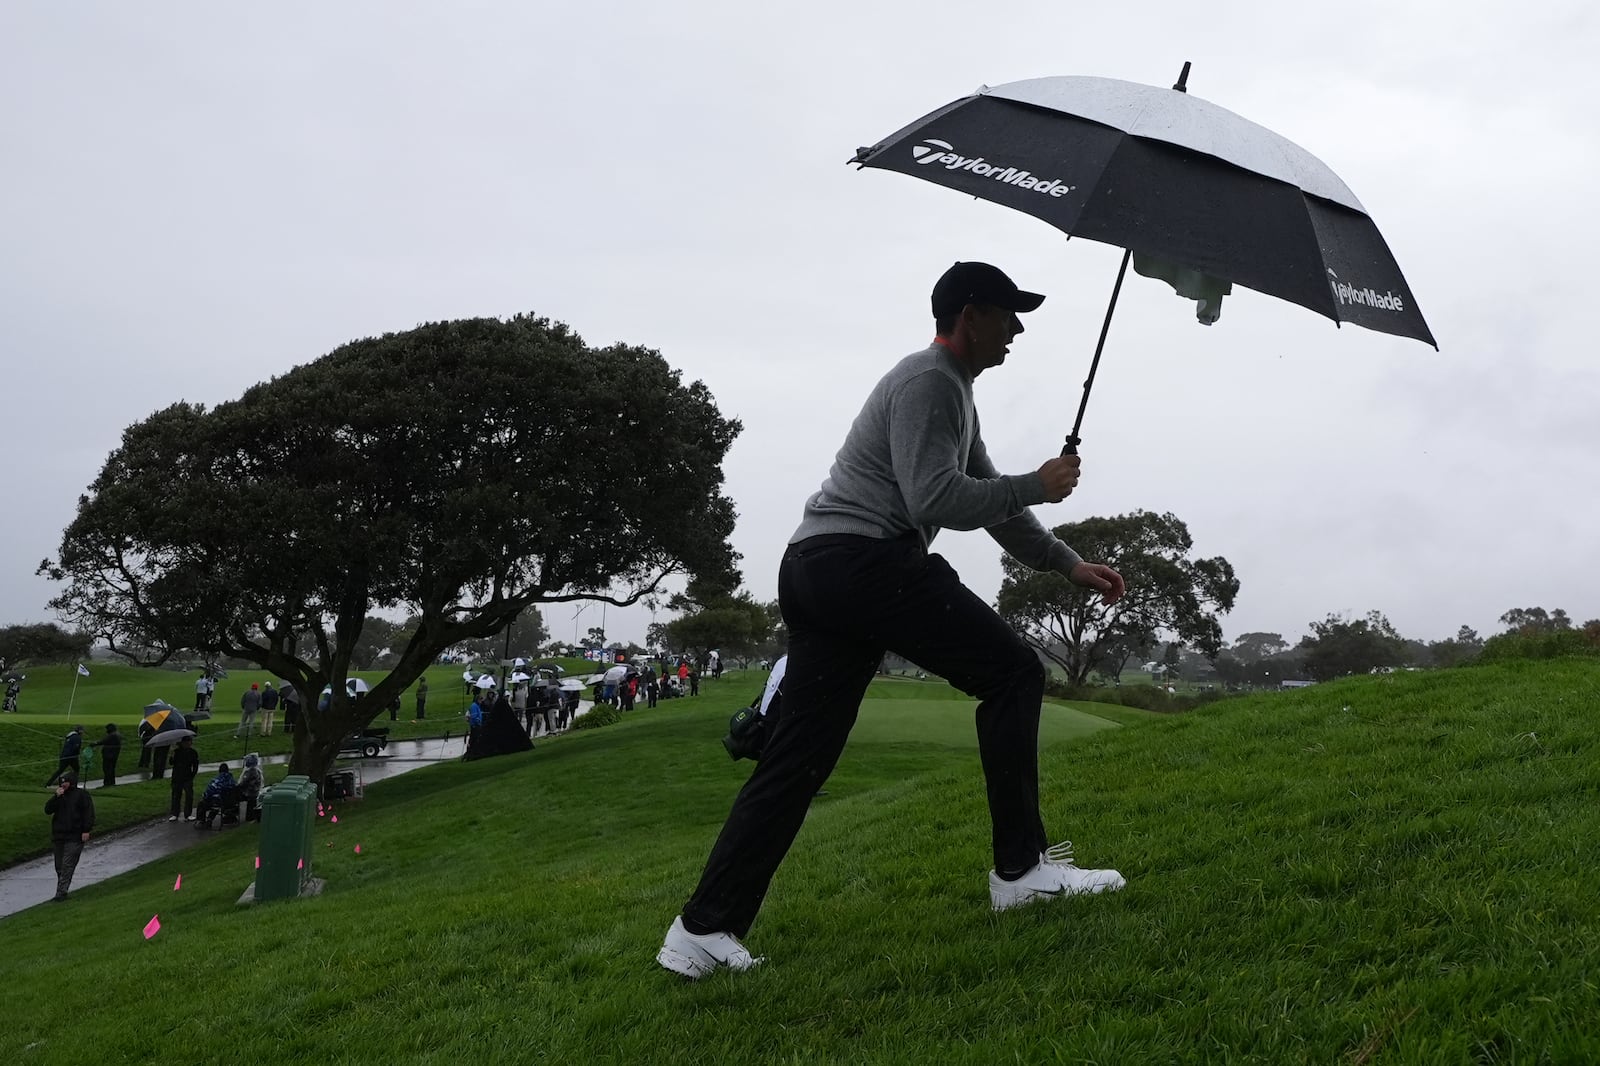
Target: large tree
[[1339, 646], [32, 643], [462, 471], [717, 617], [1168, 593]]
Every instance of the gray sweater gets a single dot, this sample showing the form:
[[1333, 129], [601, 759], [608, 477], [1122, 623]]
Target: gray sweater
[[914, 460]]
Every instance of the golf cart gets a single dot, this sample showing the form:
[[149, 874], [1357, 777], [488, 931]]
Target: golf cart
[[367, 743]]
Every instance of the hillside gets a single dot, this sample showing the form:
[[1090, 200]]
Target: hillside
[[1395, 869]]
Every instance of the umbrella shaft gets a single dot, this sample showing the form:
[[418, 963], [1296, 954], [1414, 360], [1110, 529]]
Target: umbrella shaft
[[1073, 440]]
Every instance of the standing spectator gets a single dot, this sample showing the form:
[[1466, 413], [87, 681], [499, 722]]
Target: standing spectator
[[110, 748], [249, 704], [626, 689], [71, 748], [652, 688], [202, 691], [185, 768], [269, 707], [289, 696], [422, 698], [394, 708], [683, 672], [519, 707], [72, 819], [145, 732], [474, 724], [694, 682]]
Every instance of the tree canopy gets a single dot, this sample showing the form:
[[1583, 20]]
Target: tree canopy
[[1168, 592], [1340, 646], [41, 642], [461, 471]]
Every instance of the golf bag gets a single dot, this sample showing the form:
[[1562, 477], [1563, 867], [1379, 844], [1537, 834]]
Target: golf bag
[[750, 727]]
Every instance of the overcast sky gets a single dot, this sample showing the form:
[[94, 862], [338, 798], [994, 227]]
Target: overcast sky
[[196, 196]]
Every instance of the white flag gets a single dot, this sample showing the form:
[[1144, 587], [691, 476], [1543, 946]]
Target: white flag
[[83, 671]]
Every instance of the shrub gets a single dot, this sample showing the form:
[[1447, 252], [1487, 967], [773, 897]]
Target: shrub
[[1537, 644], [598, 715]]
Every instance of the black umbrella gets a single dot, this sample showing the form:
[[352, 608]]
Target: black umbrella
[[1197, 196]]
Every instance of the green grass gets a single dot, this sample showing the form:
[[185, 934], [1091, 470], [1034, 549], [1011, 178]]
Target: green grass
[[1394, 869]]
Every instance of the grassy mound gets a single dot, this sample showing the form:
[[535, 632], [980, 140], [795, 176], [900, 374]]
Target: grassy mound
[[1395, 869]]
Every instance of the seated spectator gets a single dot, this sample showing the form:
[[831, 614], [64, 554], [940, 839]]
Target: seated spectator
[[216, 795], [251, 782]]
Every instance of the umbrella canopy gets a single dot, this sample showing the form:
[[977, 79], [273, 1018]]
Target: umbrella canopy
[[164, 717], [1170, 177], [166, 738], [552, 667], [520, 677], [572, 684], [353, 685], [1196, 195], [519, 662], [468, 676], [158, 705], [486, 681]]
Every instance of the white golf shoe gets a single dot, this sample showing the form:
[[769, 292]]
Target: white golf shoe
[[693, 956], [1056, 875]]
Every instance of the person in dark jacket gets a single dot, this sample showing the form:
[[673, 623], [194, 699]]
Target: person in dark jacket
[[216, 796], [72, 819], [185, 768], [71, 748], [110, 748], [269, 707]]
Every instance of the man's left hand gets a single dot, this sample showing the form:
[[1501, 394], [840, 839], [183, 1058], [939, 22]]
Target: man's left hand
[[1101, 578], [86, 838]]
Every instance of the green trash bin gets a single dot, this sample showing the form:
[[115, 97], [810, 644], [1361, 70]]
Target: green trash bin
[[288, 813]]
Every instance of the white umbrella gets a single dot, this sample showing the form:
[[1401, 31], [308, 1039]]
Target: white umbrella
[[519, 663], [520, 677], [168, 737], [468, 676], [486, 681], [355, 684], [572, 684]]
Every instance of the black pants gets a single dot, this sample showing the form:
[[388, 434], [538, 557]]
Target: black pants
[[68, 852], [846, 600], [183, 790], [159, 770], [109, 761], [66, 764]]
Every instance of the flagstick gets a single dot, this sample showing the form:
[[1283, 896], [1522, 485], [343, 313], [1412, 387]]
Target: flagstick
[[74, 696]]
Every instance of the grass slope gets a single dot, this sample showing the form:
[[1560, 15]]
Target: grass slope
[[1378, 870]]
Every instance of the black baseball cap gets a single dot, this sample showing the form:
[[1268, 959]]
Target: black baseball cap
[[979, 283]]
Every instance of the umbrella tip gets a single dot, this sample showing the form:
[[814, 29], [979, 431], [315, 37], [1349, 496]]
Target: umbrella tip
[[1183, 78]]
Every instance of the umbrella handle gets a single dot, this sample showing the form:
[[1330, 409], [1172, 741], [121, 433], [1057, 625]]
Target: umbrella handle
[[1073, 439]]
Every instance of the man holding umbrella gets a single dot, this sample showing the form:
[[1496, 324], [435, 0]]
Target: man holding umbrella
[[858, 580]]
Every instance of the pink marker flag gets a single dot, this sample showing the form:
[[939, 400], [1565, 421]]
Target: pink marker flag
[[358, 849], [152, 927], [301, 865], [320, 811], [178, 883], [258, 862], [334, 819]]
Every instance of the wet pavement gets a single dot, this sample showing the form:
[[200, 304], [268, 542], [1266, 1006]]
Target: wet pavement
[[29, 883]]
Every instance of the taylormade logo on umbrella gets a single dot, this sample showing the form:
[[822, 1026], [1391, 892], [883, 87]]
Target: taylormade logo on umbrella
[[943, 153], [1349, 294]]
